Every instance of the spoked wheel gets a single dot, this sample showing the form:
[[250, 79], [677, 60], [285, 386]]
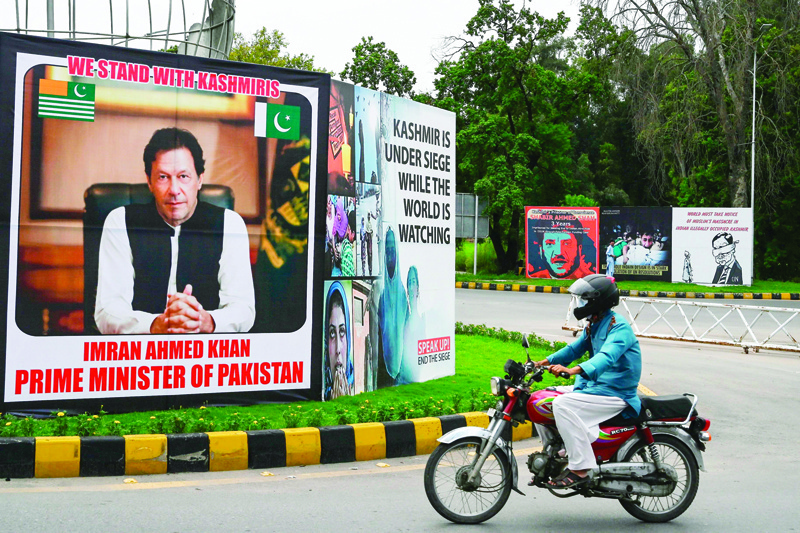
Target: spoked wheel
[[451, 493], [676, 454]]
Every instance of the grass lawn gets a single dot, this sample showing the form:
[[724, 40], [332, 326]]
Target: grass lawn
[[477, 359], [758, 285]]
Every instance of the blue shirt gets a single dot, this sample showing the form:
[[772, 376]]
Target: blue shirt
[[615, 363]]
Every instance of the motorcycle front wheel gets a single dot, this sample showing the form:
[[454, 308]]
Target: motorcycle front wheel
[[675, 453], [448, 489]]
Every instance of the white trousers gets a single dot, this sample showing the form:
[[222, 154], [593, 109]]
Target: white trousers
[[578, 416]]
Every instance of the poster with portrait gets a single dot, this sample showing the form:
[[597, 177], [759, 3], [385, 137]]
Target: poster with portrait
[[713, 246], [161, 214], [561, 242], [403, 298], [340, 140], [635, 242]]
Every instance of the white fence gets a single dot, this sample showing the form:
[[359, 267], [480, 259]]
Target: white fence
[[746, 326]]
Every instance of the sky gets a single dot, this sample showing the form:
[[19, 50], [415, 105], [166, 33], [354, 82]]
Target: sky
[[414, 29], [327, 30]]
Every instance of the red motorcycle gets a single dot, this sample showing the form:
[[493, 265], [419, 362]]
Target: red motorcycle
[[649, 464]]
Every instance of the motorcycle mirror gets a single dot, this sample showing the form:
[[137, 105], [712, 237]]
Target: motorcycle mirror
[[526, 345]]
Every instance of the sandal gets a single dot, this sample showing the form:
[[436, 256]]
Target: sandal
[[567, 482]]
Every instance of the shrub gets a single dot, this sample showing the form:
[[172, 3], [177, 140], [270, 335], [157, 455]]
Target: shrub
[[487, 258], [61, 424], [26, 427], [534, 340], [343, 416], [291, 417], [314, 418]]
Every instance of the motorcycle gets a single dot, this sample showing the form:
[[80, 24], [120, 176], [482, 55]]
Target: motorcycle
[[649, 463]]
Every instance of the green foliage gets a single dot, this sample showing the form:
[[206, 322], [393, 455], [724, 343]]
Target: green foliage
[[266, 48], [292, 416], [578, 200], [377, 67], [487, 257], [507, 336], [515, 97], [60, 425], [314, 418]]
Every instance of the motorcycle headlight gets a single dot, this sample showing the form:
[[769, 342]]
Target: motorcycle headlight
[[495, 385]]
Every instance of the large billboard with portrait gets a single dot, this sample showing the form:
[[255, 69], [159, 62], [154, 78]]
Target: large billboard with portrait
[[389, 242], [163, 217], [636, 242], [561, 242], [713, 246]]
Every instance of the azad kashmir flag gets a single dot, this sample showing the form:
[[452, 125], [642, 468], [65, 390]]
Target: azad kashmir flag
[[277, 121], [66, 100]]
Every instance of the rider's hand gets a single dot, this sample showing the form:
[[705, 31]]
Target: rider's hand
[[543, 362], [557, 369]]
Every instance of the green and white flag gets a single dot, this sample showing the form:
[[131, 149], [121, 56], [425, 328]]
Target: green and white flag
[[277, 121], [66, 100]]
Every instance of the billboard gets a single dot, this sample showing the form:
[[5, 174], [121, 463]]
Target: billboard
[[713, 246], [182, 230], [390, 242], [636, 242], [561, 242], [161, 222]]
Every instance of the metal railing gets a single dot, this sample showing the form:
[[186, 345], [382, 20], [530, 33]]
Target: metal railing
[[746, 326], [147, 23]]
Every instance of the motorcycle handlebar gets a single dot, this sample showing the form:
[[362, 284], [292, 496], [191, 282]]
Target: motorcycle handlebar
[[565, 375]]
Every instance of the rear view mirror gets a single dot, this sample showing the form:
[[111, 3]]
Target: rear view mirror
[[525, 342]]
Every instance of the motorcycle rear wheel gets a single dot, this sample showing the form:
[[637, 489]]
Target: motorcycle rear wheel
[[444, 482], [675, 453]]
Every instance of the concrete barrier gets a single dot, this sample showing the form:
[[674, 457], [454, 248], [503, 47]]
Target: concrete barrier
[[229, 450]]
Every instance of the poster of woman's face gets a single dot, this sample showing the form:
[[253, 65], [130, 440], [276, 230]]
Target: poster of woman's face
[[338, 372]]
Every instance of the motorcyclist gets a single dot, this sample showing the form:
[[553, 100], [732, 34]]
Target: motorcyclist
[[605, 385]]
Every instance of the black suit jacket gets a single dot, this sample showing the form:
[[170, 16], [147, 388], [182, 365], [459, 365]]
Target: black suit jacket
[[734, 278]]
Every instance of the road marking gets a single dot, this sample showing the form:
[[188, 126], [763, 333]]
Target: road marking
[[647, 392]]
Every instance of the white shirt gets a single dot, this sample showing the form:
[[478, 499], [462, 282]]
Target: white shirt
[[114, 313]]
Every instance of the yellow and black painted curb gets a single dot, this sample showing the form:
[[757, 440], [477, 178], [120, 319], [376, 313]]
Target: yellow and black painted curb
[[49, 457], [521, 287]]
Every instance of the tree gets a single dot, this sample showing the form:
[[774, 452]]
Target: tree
[[515, 101], [265, 48], [704, 50], [378, 68]]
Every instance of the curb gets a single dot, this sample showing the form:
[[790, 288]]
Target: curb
[[516, 287], [53, 457]]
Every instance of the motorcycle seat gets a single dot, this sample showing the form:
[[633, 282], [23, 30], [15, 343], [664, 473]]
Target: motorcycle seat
[[670, 406]]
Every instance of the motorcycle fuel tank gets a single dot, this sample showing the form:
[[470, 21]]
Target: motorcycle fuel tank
[[540, 407]]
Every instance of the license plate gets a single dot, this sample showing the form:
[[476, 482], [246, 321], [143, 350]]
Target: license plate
[[491, 412]]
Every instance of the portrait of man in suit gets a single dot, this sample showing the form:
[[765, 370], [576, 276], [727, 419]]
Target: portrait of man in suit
[[729, 271], [177, 264]]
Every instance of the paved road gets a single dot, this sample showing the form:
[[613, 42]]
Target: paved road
[[752, 462], [547, 313]]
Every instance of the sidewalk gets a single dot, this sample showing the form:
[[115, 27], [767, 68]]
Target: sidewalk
[[517, 287]]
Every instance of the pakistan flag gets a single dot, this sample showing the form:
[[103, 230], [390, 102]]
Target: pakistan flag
[[277, 121]]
